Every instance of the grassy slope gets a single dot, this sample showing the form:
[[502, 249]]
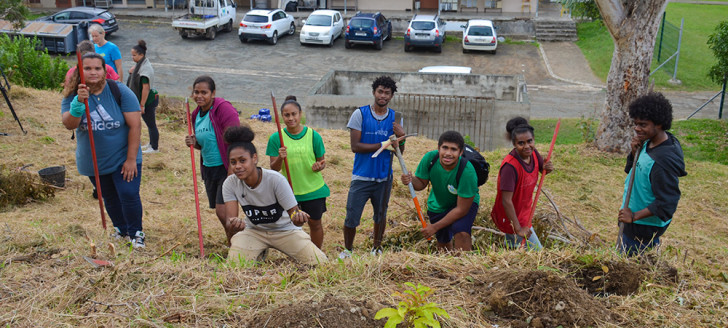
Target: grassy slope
[[695, 59], [56, 286]]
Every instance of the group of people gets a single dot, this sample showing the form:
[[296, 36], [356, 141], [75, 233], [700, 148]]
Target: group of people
[[277, 202]]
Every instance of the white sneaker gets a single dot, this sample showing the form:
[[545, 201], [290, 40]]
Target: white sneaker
[[147, 146], [376, 252], [138, 240], [150, 151], [345, 254]]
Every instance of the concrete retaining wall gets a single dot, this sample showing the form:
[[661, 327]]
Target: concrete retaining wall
[[476, 105]]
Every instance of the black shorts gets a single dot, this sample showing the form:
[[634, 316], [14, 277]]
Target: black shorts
[[315, 208], [214, 177]]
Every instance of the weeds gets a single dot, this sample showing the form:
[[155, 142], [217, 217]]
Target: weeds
[[414, 310], [27, 66], [20, 188]]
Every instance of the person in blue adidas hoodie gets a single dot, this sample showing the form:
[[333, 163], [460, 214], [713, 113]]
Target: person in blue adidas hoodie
[[656, 190], [371, 180]]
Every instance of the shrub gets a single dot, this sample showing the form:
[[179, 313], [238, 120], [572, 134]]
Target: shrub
[[29, 67], [19, 188]]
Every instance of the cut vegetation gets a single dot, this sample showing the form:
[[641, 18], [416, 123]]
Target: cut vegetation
[[45, 280]]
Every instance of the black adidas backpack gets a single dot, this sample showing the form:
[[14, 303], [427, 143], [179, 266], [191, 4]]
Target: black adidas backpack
[[482, 168]]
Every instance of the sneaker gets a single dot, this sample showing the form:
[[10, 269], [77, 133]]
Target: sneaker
[[345, 254], [95, 194], [376, 252], [150, 150], [138, 240], [147, 146], [118, 236]]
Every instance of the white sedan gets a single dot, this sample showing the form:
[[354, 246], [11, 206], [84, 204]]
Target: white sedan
[[322, 27]]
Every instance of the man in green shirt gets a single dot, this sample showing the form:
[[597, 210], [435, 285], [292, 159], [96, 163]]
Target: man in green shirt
[[452, 203]]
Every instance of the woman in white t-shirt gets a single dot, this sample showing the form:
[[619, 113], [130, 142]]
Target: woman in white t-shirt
[[272, 217]]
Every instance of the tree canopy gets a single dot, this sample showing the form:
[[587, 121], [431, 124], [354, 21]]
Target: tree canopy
[[15, 12], [718, 42]]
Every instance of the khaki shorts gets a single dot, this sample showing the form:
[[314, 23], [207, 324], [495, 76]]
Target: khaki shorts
[[250, 243]]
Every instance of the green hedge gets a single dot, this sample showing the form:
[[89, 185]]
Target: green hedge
[[29, 67]]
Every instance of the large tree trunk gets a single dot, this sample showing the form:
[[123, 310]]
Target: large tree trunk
[[633, 26]]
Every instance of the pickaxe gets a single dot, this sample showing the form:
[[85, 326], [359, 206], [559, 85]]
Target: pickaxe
[[393, 140]]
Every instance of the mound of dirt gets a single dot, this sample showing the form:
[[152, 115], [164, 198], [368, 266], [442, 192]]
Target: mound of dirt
[[619, 278], [539, 299], [331, 312], [613, 278]]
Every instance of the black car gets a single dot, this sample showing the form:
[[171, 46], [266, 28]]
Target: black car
[[91, 15], [366, 28]]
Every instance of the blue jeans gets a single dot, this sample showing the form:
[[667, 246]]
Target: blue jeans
[[362, 191], [514, 241], [122, 200], [633, 247]]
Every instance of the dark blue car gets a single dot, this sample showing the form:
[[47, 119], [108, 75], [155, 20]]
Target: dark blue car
[[367, 28]]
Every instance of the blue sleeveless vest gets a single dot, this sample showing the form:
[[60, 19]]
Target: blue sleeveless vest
[[374, 131]]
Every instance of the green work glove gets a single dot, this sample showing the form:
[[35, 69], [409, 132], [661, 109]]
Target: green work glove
[[77, 108]]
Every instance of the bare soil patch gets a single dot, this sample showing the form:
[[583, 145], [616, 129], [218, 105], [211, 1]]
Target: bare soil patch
[[328, 313]]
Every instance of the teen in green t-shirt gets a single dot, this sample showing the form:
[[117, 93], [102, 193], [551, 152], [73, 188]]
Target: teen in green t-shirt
[[452, 204], [305, 150]]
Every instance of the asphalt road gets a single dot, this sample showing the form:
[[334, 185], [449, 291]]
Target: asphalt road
[[248, 72]]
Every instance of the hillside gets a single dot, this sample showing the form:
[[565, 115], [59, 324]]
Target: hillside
[[45, 281]]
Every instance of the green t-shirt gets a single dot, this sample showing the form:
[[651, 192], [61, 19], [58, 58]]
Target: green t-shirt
[[304, 165], [444, 195]]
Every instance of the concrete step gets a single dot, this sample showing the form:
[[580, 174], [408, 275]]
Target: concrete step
[[555, 30]]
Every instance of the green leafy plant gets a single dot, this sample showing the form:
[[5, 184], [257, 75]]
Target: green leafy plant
[[414, 310], [588, 128], [27, 66], [469, 141]]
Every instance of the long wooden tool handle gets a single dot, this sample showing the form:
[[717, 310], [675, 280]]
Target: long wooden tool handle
[[89, 125], [411, 188], [543, 173], [194, 181], [280, 137], [629, 193]]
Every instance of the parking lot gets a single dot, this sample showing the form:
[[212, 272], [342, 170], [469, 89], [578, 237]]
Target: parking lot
[[248, 72]]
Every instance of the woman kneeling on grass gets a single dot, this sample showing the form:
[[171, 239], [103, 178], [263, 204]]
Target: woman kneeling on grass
[[272, 217], [305, 150], [517, 178]]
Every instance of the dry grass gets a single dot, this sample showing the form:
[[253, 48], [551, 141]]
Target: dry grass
[[44, 280]]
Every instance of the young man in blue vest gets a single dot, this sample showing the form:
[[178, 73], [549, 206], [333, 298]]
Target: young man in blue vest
[[371, 180], [655, 191], [453, 203]]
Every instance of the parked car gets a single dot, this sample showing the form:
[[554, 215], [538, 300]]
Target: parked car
[[425, 31], [446, 69], [368, 28], [91, 15], [264, 24], [206, 17], [479, 34], [322, 27]]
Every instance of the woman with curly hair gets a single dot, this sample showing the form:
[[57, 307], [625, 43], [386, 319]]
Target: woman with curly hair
[[273, 218]]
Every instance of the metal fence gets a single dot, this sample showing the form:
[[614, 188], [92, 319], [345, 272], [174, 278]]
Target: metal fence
[[430, 116], [667, 47]]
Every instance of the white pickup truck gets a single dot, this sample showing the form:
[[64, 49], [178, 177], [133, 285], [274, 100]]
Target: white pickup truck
[[206, 17]]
